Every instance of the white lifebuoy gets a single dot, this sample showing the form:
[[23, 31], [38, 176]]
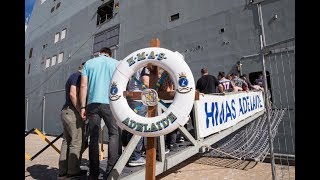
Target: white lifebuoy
[[177, 113]]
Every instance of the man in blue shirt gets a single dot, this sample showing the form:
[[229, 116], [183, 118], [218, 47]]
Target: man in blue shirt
[[70, 156], [94, 100]]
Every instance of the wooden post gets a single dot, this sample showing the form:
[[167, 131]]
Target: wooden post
[[152, 141], [196, 95]]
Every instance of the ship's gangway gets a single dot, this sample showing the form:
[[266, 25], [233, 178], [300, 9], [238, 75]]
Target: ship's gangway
[[215, 116]]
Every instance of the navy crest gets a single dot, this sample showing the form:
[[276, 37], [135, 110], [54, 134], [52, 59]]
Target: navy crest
[[183, 83], [113, 92]]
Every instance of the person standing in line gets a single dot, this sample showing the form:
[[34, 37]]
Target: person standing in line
[[70, 156], [208, 84], [229, 77], [143, 76], [94, 100], [239, 84], [251, 87], [226, 83], [260, 81], [166, 92]]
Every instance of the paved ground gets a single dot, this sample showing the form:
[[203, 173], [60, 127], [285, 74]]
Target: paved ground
[[45, 166]]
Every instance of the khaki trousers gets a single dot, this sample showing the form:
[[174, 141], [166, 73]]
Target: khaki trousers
[[69, 160]]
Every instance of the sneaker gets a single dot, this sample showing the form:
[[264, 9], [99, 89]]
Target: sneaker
[[139, 162], [173, 146], [181, 139], [166, 151]]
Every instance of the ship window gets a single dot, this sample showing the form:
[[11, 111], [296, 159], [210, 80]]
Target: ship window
[[58, 5], [53, 60], [60, 57], [105, 12], [63, 33], [47, 63], [29, 67], [221, 30], [174, 17], [52, 9], [56, 37], [30, 52]]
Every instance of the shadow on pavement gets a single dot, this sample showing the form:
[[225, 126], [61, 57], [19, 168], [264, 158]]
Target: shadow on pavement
[[39, 171], [44, 172]]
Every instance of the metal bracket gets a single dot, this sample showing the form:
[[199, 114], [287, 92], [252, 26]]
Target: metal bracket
[[252, 2], [42, 136]]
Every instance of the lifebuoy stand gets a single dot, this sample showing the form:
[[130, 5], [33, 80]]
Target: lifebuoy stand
[[184, 83], [152, 141]]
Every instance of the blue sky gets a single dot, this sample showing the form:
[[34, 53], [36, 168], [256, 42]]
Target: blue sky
[[28, 5]]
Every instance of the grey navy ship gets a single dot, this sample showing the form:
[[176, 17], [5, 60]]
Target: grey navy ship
[[222, 35]]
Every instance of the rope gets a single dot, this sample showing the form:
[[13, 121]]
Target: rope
[[139, 82], [138, 107], [161, 80], [256, 147], [158, 84]]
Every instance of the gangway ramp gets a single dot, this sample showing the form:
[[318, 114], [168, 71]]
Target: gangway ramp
[[241, 113]]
